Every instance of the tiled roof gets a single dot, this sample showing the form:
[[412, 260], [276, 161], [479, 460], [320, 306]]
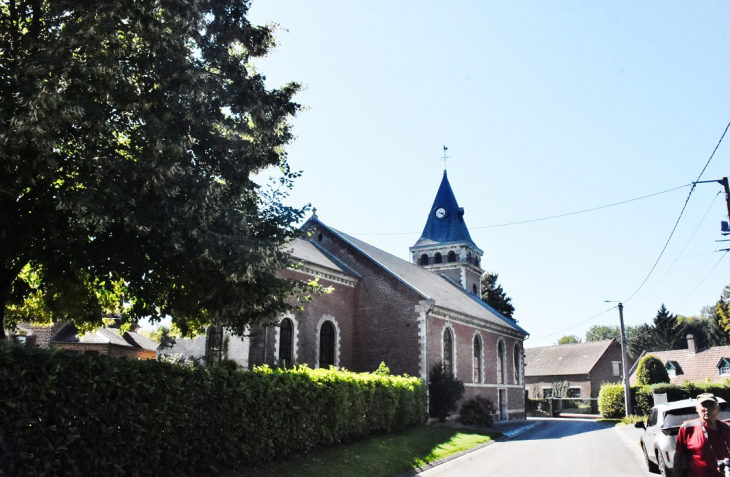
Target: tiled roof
[[576, 358], [451, 227], [700, 366], [429, 285], [69, 334]]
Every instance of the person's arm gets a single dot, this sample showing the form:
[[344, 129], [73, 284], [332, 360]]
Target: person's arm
[[680, 454]]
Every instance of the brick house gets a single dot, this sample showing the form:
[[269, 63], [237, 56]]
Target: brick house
[[586, 366], [411, 315], [691, 364]]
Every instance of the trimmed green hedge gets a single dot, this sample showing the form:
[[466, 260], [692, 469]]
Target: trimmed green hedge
[[611, 397], [66, 415]]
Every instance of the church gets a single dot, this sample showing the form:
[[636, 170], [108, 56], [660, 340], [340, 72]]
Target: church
[[411, 315]]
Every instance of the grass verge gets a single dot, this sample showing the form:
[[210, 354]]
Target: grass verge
[[379, 456]]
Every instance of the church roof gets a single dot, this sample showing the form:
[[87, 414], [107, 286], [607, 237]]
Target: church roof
[[313, 253], [429, 285], [449, 228]]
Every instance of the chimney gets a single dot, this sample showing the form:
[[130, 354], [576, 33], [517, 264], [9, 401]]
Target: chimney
[[691, 346]]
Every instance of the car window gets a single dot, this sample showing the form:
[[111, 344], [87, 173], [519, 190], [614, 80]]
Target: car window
[[676, 417], [652, 417]]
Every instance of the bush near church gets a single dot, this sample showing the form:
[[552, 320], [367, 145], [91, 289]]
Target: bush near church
[[79, 415], [444, 391], [477, 411], [611, 397]]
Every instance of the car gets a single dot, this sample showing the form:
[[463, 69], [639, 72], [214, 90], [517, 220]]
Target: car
[[660, 431]]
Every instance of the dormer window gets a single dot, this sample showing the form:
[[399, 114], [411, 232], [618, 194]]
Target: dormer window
[[673, 368], [723, 367]]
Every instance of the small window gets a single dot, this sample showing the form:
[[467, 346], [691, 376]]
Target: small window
[[327, 345], [451, 257], [573, 392], [437, 258], [547, 393], [424, 259], [673, 373], [723, 371], [517, 362], [616, 368], [474, 288], [448, 352], [285, 343]]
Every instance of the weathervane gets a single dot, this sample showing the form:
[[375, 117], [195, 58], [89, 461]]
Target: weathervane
[[445, 156]]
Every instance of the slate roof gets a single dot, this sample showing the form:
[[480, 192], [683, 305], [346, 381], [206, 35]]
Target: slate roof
[[576, 358], [428, 284], [313, 253], [452, 227], [692, 367]]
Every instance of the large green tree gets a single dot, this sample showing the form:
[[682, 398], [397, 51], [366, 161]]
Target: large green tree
[[603, 332], [668, 332], [494, 296], [721, 312], [129, 134]]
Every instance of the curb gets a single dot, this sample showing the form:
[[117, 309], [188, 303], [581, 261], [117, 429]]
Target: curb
[[505, 437]]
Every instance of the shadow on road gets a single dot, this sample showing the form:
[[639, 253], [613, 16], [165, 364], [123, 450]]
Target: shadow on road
[[558, 428]]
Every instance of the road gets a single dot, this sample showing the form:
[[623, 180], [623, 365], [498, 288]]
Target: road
[[555, 448]]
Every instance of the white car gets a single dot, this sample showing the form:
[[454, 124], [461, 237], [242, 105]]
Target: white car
[[660, 436]]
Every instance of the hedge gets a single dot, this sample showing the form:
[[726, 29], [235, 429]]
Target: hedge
[[611, 397], [81, 415]]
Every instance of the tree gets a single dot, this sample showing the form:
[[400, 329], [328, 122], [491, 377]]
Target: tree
[[721, 312], [568, 339], [444, 392], [494, 296], [602, 333], [638, 339], [651, 371], [668, 332], [129, 133]]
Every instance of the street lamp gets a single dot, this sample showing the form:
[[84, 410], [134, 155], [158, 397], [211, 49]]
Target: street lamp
[[627, 388]]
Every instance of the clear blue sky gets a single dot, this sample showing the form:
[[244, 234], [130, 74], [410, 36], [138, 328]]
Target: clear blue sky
[[547, 108]]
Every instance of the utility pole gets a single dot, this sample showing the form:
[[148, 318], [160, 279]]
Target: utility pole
[[724, 183], [624, 360]]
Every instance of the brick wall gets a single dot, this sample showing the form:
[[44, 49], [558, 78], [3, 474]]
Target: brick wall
[[114, 351], [535, 384], [602, 372]]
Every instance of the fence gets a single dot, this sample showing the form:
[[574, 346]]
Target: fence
[[554, 407]]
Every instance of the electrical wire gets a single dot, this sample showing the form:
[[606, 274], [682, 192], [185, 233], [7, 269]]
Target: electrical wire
[[694, 184]]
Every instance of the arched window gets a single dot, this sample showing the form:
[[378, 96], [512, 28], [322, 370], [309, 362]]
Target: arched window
[[448, 352], [286, 335], [517, 363], [327, 345], [437, 258], [477, 359], [500, 363], [474, 288], [424, 259], [451, 257]]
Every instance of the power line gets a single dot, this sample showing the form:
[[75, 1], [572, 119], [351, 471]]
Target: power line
[[542, 218], [694, 184]]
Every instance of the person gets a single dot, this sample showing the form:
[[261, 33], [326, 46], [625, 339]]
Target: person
[[702, 442]]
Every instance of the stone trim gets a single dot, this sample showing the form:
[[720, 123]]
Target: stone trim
[[422, 309], [321, 321], [318, 271], [475, 322], [518, 365], [294, 340]]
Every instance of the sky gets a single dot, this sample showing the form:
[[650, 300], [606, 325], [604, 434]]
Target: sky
[[547, 108]]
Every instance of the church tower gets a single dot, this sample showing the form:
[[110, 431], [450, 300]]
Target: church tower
[[445, 246]]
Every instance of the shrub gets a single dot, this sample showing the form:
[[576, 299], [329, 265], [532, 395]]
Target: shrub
[[477, 411], [611, 401], [651, 371], [80, 415], [444, 392]]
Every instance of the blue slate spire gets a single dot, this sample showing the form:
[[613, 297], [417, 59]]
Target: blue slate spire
[[445, 220]]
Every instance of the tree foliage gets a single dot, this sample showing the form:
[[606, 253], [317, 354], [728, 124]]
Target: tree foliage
[[602, 333], [651, 371], [494, 296], [129, 133], [721, 311], [444, 392], [568, 339], [668, 332]]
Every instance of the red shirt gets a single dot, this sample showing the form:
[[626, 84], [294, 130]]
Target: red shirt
[[702, 456]]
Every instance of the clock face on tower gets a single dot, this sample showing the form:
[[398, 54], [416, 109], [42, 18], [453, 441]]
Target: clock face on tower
[[440, 213]]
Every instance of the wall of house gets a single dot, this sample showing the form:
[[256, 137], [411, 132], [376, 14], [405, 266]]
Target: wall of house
[[107, 349], [535, 384], [602, 372], [488, 385]]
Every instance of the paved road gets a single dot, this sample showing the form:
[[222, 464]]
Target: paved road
[[555, 448]]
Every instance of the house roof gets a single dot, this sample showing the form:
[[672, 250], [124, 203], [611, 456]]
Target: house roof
[[692, 367], [576, 358], [450, 228], [429, 285], [130, 339]]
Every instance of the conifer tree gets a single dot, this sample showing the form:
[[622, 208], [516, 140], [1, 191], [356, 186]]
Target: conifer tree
[[494, 296], [668, 332]]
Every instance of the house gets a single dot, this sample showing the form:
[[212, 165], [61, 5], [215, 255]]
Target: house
[[691, 364], [586, 366], [106, 340], [412, 315]]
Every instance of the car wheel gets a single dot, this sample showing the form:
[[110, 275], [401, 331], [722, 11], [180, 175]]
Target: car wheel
[[649, 464], [663, 466]]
